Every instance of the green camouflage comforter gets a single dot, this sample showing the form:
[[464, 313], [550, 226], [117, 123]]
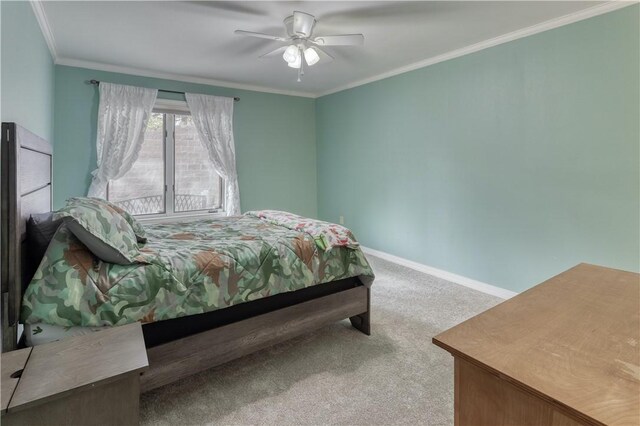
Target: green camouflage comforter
[[191, 268]]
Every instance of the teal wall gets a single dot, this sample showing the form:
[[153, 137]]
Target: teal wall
[[274, 136], [507, 166], [26, 85]]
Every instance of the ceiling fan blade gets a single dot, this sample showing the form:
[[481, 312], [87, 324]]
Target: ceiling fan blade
[[340, 40], [228, 7], [260, 35], [386, 13], [324, 56], [303, 23], [277, 52]]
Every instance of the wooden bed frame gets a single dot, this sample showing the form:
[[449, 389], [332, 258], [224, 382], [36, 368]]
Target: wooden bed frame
[[26, 190]]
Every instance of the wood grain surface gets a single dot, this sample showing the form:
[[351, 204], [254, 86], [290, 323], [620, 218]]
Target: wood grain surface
[[483, 399], [60, 369], [112, 404], [181, 358], [11, 363], [25, 187], [35, 170], [573, 341]]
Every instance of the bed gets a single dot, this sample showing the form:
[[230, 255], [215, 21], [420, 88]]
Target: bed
[[249, 283]]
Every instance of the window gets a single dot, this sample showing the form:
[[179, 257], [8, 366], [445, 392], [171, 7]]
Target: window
[[173, 174]]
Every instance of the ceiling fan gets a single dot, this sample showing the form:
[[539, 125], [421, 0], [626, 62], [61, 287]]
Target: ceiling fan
[[302, 47]]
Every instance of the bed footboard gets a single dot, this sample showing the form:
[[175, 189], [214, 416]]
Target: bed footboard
[[362, 322], [181, 358]]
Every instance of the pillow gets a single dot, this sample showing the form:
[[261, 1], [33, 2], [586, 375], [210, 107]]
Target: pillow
[[104, 231], [40, 230], [135, 225]]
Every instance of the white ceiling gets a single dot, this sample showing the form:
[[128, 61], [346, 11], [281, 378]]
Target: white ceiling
[[195, 40]]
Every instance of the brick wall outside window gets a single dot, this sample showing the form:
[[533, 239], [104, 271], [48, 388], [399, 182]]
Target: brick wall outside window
[[195, 177]]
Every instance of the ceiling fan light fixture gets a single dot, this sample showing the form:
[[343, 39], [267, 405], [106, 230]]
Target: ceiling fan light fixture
[[301, 47], [311, 56], [291, 54], [297, 63]]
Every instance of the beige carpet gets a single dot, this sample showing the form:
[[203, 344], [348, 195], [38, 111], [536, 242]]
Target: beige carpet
[[338, 375]]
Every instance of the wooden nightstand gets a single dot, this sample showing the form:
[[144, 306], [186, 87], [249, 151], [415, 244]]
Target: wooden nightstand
[[85, 380]]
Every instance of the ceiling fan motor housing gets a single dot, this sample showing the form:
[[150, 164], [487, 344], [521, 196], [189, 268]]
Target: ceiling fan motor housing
[[300, 24]]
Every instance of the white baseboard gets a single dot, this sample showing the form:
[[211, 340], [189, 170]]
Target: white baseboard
[[454, 278]]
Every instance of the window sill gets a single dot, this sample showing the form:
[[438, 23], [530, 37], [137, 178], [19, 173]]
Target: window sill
[[178, 217]]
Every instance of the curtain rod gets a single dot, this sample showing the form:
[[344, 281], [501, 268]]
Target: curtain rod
[[96, 83]]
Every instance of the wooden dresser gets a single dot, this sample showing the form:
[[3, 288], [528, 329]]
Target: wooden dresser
[[85, 380], [565, 352]]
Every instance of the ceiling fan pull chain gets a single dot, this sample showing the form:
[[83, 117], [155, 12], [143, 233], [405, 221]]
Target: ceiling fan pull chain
[[301, 69]]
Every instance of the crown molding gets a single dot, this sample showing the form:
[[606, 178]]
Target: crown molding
[[593, 11], [43, 22], [98, 66], [571, 18]]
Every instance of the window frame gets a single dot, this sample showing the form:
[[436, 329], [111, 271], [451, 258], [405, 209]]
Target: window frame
[[169, 109]]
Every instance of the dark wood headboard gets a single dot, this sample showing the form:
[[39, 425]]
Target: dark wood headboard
[[25, 190]]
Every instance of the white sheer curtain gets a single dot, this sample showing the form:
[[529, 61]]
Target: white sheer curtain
[[213, 119], [122, 119]]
